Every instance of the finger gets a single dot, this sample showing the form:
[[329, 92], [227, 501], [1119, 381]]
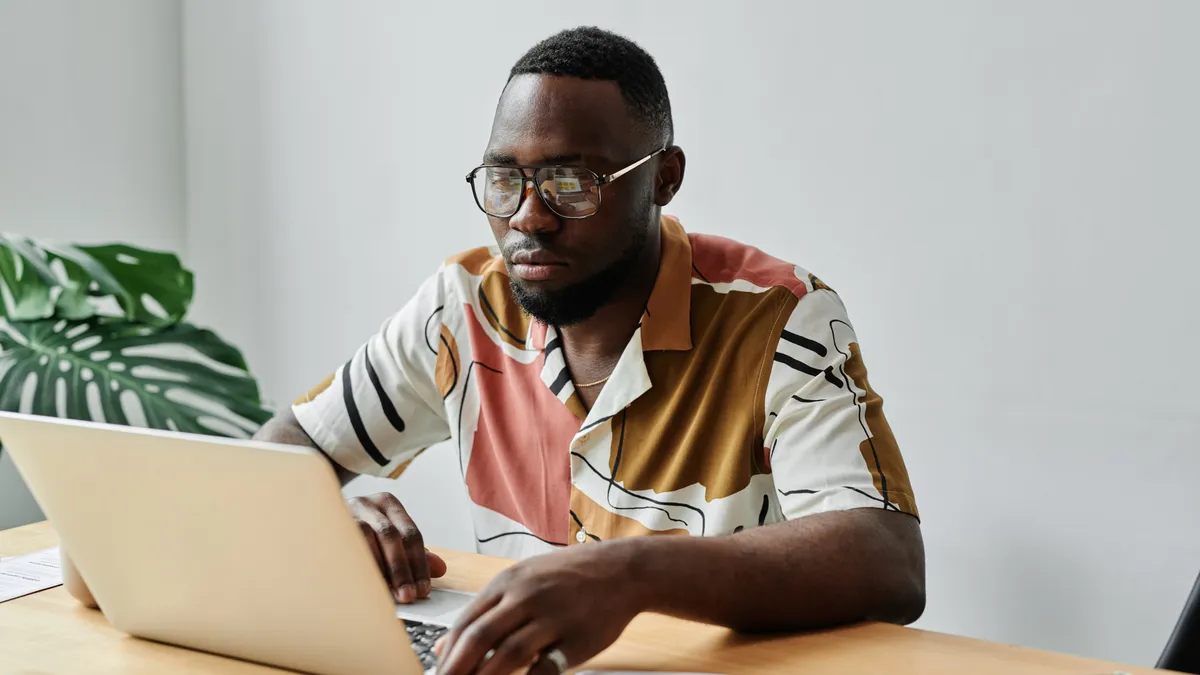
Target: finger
[[412, 542], [520, 649], [369, 535], [478, 607], [544, 666], [362, 517], [480, 637], [391, 545], [437, 566]]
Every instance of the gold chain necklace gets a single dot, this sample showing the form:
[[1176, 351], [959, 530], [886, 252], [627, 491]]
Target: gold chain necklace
[[593, 384]]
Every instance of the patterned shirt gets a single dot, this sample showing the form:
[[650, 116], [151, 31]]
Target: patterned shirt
[[741, 400]]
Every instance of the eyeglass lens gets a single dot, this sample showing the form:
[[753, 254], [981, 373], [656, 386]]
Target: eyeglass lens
[[568, 191]]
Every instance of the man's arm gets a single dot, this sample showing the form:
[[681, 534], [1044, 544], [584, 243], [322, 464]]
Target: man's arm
[[284, 428], [850, 548], [822, 570]]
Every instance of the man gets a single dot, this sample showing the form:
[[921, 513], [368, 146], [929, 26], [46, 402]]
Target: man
[[604, 375]]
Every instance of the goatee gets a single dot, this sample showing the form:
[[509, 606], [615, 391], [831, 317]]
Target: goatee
[[581, 300]]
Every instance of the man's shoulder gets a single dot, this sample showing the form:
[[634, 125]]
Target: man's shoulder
[[730, 265]]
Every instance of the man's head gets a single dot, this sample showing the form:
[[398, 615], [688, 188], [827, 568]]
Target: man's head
[[589, 99]]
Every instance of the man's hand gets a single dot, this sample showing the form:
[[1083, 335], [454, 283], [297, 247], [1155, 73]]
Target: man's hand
[[397, 544], [576, 600], [818, 571]]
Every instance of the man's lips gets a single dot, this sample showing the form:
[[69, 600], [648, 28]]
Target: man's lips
[[539, 257], [538, 265]]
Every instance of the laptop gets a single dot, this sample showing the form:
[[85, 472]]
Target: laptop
[[239, 548]]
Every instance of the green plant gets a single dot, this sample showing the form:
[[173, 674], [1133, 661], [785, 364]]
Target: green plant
[[98, 333]]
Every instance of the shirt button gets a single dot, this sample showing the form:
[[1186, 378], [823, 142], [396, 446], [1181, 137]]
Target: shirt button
[[581, 536]]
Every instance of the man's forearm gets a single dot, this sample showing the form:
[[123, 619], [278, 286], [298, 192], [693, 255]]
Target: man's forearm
[[285, 428], [823, 570]]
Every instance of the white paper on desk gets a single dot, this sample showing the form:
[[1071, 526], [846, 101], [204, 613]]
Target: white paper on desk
[[441, 608], [30, 573]]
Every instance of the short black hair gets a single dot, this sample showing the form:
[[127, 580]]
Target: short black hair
[[591, 53]]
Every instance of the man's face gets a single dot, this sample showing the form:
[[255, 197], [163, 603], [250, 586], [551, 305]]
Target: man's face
[[563, 270]]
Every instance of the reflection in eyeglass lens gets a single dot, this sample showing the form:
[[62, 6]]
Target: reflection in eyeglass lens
[[570, 192], [502, 190], [567, 191]]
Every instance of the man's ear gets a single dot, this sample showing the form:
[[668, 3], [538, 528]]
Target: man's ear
[[670, 175]]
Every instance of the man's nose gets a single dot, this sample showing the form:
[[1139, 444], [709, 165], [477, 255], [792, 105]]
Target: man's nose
[[533, 217]]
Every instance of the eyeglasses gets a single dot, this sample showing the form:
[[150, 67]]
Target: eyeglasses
[[568, 191]]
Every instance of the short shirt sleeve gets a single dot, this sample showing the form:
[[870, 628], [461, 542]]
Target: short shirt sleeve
[[829, 445], [382, 407]]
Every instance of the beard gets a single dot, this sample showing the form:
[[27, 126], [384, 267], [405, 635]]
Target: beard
[[580, 301]]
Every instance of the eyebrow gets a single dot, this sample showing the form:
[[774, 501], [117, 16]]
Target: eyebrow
[[498, 158]]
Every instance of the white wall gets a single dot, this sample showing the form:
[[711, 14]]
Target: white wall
[[90, 136], [227, 187]]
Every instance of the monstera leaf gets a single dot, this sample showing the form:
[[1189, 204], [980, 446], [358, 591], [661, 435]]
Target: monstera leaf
[[40, 280], [177, 377]]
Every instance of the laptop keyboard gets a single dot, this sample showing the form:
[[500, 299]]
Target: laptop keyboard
[[423, 636]]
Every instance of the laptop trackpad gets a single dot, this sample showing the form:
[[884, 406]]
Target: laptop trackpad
[[441, 608]]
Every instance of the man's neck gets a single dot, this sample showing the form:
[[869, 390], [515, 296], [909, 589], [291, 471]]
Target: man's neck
[[593, 347]]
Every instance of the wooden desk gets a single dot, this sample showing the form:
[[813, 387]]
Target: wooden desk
[[49, 632]]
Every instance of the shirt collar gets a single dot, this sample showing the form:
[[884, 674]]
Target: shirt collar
[[666, 324]]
